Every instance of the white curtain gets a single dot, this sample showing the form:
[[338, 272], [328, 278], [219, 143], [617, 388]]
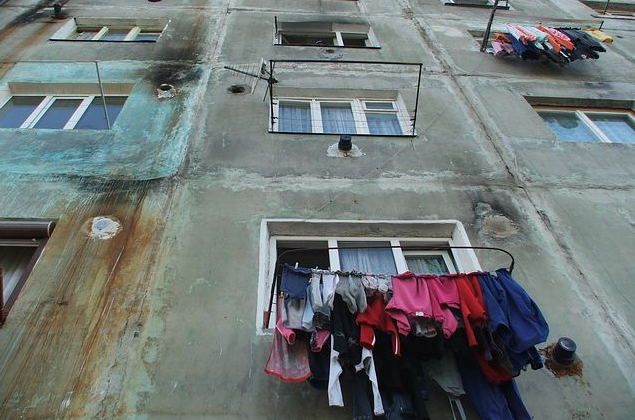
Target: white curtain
[[383, 124], [294, 118], [373, 261], [428, 264], [337, 118]]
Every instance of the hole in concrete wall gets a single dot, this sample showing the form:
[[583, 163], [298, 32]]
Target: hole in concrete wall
[[237, 89], [154, 1], [103, 227], [166, 91], [330, 53]]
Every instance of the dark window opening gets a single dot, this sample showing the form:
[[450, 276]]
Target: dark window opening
[[308, 40], [21, 244], [312, 259], [354, 40]]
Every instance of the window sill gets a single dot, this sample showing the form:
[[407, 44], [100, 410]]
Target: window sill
[[330, 46]]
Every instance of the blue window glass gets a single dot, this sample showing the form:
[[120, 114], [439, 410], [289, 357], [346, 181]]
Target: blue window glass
[[94, 117], [618, 128], [383, 124], [17, 110], [568, 127], [294, 117], [337, 118], [58, 114]]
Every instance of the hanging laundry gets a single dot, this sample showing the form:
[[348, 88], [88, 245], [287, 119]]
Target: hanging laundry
[[349, 287], [470, 333], [558, 45], [479, 338], [599, 35], [515, 318], [491, 401], [288, 359], [346, 352], [375, 317]]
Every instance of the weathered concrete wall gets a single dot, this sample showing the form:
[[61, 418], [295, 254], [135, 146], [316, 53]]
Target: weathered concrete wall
[[160, 321]]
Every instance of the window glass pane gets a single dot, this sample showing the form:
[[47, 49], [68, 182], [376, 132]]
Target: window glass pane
[[84, 34], [383, 106], [337, 118], [58, 114], [618, 128], [354, 40], [321, 40], [372, 261], [567, 127], [17, 110], [294, 117], [147, 36], [427, 264], [94, 117], [383, 124], [115, 35]]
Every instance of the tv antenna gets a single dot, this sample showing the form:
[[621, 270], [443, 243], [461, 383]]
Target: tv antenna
[[257, 73]]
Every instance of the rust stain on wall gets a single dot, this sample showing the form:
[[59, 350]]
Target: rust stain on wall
[[78, 331]]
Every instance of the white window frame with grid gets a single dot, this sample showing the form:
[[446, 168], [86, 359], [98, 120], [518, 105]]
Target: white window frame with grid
[[456, 260], [49, 100], [359, 110], [338, 39], [72, 26], [581, 115]]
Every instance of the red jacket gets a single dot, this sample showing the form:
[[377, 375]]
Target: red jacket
[[373, 317]]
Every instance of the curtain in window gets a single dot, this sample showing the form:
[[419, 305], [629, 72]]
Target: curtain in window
[[617, 128], [427, 264], [375, 261], [337, 118], [567, 127], [294, 117], [383, 124]]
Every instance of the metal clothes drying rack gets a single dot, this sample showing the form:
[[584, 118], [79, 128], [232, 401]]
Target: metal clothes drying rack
[[275, 286]]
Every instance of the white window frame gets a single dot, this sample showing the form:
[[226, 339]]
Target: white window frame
[[447, 259], [582, 115], [48, 101], [338, 41], [358, 108], [71, 28], [465, 259]]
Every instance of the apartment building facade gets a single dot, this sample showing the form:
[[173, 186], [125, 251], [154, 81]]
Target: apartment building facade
[[138, 248]]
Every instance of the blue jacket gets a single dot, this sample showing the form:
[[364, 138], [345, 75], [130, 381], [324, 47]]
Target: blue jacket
[[515, 318]]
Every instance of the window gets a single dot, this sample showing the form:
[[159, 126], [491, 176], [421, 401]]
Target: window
[[111, 30], [614, 8], [21, 243], [503, 4], [60, 111], [590, 124], [324, 34], [278, 236], [337, 116]]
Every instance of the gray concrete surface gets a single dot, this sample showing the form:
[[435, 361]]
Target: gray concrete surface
[[160, 321]]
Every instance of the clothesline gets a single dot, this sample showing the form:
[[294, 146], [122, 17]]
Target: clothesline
[[471, 333], [274, 283]]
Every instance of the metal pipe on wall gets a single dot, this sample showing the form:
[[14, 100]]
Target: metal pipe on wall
[[26, 229]]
